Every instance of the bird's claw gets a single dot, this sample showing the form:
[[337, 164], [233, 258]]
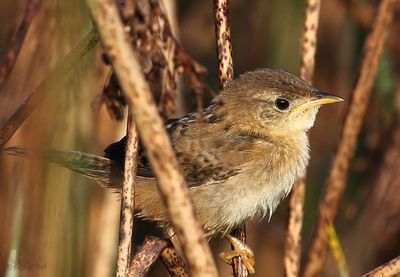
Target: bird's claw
[[241, 250]]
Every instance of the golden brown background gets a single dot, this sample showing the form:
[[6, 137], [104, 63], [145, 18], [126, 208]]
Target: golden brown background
[[57, 223]]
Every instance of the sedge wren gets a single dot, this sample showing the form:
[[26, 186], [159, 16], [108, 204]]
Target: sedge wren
[[240, 158]]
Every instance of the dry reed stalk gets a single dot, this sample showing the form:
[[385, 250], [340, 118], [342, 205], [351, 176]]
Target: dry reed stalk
[[17, 40], [127, 201], [11, 125], [335, 182], [154, 137], [225, 73], [296, 202], [146, 256], [309, 40], [223, 39], [389, 269], [292, 253]]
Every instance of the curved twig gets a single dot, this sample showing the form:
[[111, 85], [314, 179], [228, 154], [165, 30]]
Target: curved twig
[[386, 270]]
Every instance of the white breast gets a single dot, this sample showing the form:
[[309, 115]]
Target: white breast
[[255, 192]]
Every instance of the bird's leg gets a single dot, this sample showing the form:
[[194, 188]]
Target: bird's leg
[[240, 249]]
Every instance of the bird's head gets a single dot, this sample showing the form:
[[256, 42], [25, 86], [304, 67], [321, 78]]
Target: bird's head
[[272, 101]]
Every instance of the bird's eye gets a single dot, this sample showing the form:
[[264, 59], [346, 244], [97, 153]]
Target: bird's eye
[[282, 104]]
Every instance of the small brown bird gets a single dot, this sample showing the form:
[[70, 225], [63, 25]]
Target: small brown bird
[[239, 160]]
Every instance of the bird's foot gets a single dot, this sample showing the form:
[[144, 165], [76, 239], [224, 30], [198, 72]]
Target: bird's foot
[[241, 250]]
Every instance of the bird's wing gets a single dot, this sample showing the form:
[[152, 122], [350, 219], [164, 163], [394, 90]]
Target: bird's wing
[[116, 153], [203, 154], [211, 158]]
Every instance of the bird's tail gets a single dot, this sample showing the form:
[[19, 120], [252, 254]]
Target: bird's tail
[[106, 172]]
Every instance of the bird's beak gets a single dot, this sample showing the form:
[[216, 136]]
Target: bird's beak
[[327, 98], [322, 98]]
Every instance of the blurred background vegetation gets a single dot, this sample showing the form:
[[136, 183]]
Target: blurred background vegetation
[[57, 223]]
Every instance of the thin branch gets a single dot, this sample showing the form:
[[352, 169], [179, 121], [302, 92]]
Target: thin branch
[[309, 40], [335, 182], [128, 187], [11, 125], [146, 256], [292, 254], [154, 137], [386, 270], [225, 72], [17, 40], [296, 203], [223, 39], [127, 201]]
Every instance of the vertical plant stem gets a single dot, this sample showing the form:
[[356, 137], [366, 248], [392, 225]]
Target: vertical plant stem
[[225, 73], [17, 40], [293, 238], [292, 253], [309, 40], [127, 201], [335, 182], [11, 125], [154, 137], [223, 39]]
